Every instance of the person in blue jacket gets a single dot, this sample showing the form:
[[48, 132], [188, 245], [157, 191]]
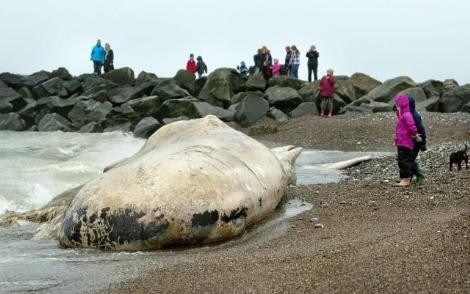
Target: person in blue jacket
[[418, 145], [97, 56]]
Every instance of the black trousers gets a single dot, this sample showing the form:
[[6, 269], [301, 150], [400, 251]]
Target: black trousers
[[312, 68], [405, 162], [97, 67]]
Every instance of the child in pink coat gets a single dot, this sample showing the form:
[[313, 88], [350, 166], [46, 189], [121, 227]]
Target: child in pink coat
[[276, 68]]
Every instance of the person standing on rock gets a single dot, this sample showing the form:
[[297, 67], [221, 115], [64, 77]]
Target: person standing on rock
[[258, 59], [417, 146], [312, 64], [109, 59], [287, 61], [201, 67], [294, 62], [97, 56], [276, 70], [405, 134], [191, 64], [267, 63], [327, 93]]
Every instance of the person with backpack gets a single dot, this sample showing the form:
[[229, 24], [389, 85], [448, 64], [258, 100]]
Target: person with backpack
[[201, 67], [312, 63], [191, 64], [97, 56]]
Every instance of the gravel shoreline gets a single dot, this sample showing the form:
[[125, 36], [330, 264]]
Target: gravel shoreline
[[363, 235]]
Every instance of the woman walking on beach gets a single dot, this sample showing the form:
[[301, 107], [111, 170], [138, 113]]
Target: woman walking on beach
[[405, 134], [109, 60], [312, 64], [294, 62]]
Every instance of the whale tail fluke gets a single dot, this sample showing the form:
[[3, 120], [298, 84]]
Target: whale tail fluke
[[287, 156]]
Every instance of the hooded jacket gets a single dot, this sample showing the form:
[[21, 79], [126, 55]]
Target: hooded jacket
[[327, 86], [201, 66], [417, 119], [406, 128], [98, 53]]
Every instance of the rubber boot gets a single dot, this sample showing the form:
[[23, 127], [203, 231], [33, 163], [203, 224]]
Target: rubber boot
[[420, 176]]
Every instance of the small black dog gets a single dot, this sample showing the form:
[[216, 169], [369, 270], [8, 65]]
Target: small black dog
[[458, 157]]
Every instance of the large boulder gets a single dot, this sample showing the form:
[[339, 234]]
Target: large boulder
[[250, 110], [256, 82], [146, 127], [284, 98], [466, 107], [432, 88], [6, 107], [50, 87], [345, 89], [119, 116], [35, 79], [121, 76], [70, 87], [416, 92], [62, 73], [92, 84], [54, 122], [310, 92], [449, 84], [278, 115], [145, 106], [189, 107], [389, 89], [286, 81], [12, 80], [221, 85], [237, 98], [186, 80], [11, 122], [169, 89], [146, 77], [199, 84], [93, 127], [363, 84], [87, 111], [453, 100], [8, 95], [431, 104], [123, 94], [305, 108]]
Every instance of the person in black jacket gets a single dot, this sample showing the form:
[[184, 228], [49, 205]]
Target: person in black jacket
[[312, 64], [258, 59], [109, 59], [287, 61], [201, 67]]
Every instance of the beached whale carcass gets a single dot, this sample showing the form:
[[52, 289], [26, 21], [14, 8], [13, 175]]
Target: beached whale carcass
[[193, 181]]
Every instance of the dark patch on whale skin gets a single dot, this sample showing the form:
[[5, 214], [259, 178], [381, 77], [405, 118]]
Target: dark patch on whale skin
[[236, 214], [206, 218], [108, 230]]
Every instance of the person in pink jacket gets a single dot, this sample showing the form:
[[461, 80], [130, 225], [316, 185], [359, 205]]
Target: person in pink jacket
[[276, 68], [405, 134]]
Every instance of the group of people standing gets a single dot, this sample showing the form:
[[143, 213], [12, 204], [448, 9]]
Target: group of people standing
[[194, 67], [269, 67], [102, 57]]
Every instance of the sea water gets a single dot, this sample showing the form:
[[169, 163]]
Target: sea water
[[36, 166]]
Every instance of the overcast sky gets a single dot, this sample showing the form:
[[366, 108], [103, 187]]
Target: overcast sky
[[383, 38]]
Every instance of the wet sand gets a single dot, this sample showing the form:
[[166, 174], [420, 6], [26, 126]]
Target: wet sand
[[363, 235]]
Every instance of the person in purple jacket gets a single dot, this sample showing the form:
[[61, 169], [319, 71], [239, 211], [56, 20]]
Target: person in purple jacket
[[405, 135]]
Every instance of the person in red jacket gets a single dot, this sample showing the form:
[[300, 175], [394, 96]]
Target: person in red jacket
[[191, 65], [327, 93]]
